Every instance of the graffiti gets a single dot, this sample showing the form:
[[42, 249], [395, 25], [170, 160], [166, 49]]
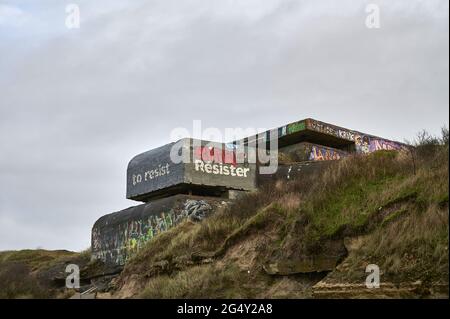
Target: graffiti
[[346, 134], [196, 210], [119, 243], [362, 143], [161, 170], [282, 131], [324, 154], [213, 160], [365, 144], [379, 144], [331, 130], [215, 154], [124, 240], [221, 169], [323, 128], [215, 167], [295, 127]]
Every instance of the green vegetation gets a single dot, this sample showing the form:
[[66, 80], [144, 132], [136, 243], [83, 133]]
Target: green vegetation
[[201, 281], [388, 208], [398, 202], [35, 259], [31, 273]]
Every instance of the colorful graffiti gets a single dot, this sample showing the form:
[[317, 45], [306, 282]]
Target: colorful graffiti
[[380, 144], [364, 143], [346, 134], [117, 244], [215, 154], [295, 127], [282, 131], [324, 154], [323, 128]]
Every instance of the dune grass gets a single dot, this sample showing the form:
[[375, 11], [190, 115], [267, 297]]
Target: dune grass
[[399, 200]]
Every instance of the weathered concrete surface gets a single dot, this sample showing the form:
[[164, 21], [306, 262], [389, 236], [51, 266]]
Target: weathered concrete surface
[[207, 168], [288, 172], [152, 171], [115, 237], [195, 167], [305, 151], [324, 134]]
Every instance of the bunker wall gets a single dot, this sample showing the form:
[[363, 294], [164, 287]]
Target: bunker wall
[[305, 151], [117, 236]]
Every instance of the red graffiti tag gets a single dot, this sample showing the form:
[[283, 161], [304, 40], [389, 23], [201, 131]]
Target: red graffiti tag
[[215, 154]]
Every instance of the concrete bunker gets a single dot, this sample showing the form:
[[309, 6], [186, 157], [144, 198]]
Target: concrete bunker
[[191, 178], [189, 166]]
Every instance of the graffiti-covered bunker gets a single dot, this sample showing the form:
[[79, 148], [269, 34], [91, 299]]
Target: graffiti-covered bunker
[[192, 178]]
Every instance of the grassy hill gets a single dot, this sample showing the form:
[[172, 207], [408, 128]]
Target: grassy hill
[[310, 237], [299, 238], [28, 273]]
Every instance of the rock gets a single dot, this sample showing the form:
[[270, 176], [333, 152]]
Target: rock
[[354, 243], [196, 210], [323, 289], [304, 265], [81, 296]]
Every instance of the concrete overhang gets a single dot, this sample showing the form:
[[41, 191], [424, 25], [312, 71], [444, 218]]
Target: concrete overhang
[[188, 166]]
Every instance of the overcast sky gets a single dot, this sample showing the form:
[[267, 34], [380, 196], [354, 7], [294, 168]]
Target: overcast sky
[[77, 104]]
